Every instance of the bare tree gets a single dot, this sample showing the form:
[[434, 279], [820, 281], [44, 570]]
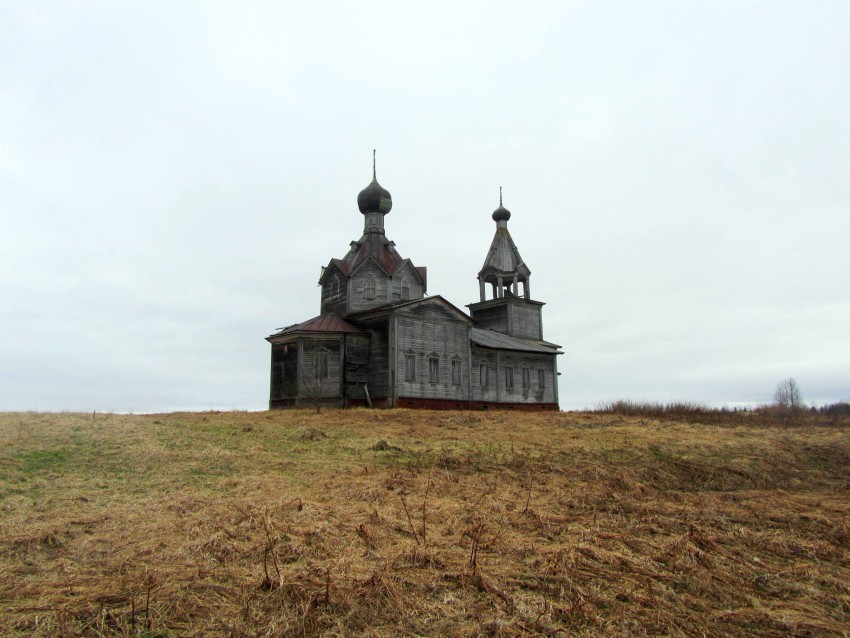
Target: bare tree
[[788, 395], [316, 382]]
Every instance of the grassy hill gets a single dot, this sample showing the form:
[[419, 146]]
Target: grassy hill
[[413, 523]]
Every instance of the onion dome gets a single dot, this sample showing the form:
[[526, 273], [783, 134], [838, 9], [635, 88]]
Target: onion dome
[[374, 198], [501, 214]]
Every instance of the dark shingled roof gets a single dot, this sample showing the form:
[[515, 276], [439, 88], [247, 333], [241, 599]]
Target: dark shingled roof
[[323, 323], [377, 247], [499, 341]]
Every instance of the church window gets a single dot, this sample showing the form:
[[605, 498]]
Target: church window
[[322, 364], [410, 367], [433, 369], [457, 368], [369, 288], [405, 290], [541, 379], [509, 377], [526, 378], [484, 375]]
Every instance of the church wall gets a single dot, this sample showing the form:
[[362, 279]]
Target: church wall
[[284, 372], [426, 331], [335, 294], [406, 277], [358, 300], [533, 362], [311, 351], [492, 318], [377, 376], [525, 321], [496, 387], [356, 367], [483, 383]]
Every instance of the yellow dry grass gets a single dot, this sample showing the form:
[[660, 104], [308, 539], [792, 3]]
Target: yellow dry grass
[[415, 523]]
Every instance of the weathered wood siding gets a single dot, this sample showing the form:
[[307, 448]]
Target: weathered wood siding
[[358, 300], [484, 388], [428, 330], [532, 362], [405, 277], [356, 367], [497, 389], [326, 388], [377, 376], [284, 371], [525, 321], [335, 294], [495, 318]]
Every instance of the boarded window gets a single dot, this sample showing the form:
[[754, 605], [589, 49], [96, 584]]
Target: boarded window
[[433, 369], [369, 288], [526, 378], [484, 375], [322, 364], [509, 378], [405, 290], [541, 379], [410, 367], [457, 368]]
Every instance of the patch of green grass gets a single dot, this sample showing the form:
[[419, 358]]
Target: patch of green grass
[[41, 461]]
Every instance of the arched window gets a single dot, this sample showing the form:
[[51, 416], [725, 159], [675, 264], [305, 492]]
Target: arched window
[[457, 371], [483, 374], [434, 368], [410, 366], [369, 288], [322, 364]]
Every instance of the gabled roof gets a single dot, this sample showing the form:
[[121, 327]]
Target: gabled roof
[[344, 266], [386, 308], [378, 249], [500, 341], [326, 323]]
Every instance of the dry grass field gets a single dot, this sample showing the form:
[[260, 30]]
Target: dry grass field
[[415, 523]]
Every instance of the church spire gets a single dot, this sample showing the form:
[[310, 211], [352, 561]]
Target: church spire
[[374, 202], [504, 268], [501, 215]]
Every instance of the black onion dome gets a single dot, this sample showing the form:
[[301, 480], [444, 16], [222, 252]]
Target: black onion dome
[[374, 199], [501, 214]]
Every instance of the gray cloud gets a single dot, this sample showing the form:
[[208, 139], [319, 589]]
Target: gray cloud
[[172, 177]]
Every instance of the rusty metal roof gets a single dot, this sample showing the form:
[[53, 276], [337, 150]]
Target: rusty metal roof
[[323, 323], [382, 251], [378, 248]]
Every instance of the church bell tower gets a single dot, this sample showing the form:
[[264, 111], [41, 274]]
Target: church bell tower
[[506, 276]]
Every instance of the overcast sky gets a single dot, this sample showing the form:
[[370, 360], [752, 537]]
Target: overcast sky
[[173, 175]]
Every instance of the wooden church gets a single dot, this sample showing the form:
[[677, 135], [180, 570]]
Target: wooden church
[[380, 341]]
